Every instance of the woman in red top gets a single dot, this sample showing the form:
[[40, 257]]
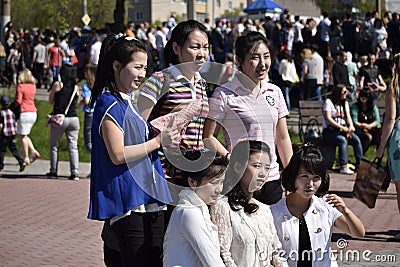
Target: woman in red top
[[25, 97]]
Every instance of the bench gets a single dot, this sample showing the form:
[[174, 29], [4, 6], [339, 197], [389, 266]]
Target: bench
[[309, 109]]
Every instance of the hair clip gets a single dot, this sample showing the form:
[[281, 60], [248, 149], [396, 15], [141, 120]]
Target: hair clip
[[129, 38], [117, 36], [309, 145]]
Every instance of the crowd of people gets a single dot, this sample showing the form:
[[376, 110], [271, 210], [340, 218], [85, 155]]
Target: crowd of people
[[170, 190]]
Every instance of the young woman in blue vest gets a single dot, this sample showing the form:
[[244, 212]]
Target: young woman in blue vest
[[128, 189]]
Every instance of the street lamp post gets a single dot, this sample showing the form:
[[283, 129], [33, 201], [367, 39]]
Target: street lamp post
[[5, 16]]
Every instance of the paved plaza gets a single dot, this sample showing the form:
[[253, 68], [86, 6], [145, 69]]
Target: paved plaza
[[43, 221]]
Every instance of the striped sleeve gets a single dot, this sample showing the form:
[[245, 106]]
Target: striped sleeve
[[151, 88]]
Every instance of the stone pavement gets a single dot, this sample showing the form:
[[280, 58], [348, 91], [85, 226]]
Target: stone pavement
[[43, 221]]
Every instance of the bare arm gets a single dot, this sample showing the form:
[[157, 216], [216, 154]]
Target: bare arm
[[283, 142], [348, 222], [54, 89], [348, 118], [120, 154], [332, 122], [362, 78], [145, 106], [209, 139], [388, 123]]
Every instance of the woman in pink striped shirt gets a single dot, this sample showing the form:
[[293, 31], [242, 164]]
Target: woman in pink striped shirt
[[249, 107]]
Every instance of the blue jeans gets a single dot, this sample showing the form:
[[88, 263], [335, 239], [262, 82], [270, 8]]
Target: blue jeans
[[318, 92], [287, 97], [56, 72], [334, 137]]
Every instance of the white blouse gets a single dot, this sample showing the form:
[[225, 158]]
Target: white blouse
[[191, 238], [320, 218], [247, 240]]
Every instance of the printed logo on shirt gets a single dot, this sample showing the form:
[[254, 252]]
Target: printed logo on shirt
[[270, 100]]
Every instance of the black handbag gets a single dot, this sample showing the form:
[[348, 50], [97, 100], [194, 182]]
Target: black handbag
[[312, 133]]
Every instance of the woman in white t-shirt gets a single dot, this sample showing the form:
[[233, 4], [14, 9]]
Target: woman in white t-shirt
[[338, 128]]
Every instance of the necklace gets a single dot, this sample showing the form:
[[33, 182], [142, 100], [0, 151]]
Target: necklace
[[258, 93]]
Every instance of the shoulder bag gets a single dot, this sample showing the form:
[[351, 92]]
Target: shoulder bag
[[369, 180], [56, 120]]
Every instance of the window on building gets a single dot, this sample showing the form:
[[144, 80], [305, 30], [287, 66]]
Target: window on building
[[230, 5], [203, 2], [218, 3], [138, 1], [139, 15]]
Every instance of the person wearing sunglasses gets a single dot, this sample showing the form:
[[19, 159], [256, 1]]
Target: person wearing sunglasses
[[338, 129]]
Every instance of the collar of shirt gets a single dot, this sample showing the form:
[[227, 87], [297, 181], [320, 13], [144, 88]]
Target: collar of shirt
[[177, 75], [240, 89]]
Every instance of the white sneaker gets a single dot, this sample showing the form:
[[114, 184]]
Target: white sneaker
[[346, 171]]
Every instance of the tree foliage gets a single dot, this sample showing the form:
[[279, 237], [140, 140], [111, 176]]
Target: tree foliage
[[339, 7], [60, 14], [236, 12]]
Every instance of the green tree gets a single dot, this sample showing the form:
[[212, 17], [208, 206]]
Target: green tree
[[236, 12], [60, 14], [338, 7]]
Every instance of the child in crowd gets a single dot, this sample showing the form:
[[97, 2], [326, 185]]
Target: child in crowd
[[8, 126], [304, 219], [246, 231], [191, 238]]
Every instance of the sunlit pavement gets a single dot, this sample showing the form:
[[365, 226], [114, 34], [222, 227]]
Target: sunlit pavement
[[43, 221]]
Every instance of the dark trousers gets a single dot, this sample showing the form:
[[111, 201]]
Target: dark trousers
[[270, 193], [9, 141], [38, 73], [310, 86], [141, 238], [87, 131]]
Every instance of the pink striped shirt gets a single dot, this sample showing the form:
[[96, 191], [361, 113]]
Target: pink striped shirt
[[245, 116]]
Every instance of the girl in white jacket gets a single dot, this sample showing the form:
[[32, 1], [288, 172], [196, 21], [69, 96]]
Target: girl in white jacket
[[304, 219], [191, 238]]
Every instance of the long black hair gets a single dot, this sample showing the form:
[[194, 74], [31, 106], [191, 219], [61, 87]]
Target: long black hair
[[241, 153], [369, 112], [336, 94], [114, 47], [179, 36]]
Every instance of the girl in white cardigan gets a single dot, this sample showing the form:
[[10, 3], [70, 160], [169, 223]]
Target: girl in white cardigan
[[191, 238], [246, 229], [304, 219]]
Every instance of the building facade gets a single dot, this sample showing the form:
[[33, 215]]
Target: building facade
[[161, 10]]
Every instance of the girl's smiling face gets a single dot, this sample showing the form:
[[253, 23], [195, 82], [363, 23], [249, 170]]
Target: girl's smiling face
[[306, 183], [129, 77], [256, 172], [256, 63]]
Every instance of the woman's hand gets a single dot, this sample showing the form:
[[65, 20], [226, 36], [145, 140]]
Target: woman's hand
[[336, 202], [169, 137]]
